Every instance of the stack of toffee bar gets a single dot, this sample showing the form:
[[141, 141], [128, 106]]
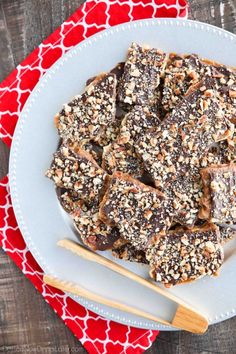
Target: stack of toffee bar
[[147, 165]]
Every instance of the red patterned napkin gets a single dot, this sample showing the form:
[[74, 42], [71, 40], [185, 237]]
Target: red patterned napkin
[[97, 334]]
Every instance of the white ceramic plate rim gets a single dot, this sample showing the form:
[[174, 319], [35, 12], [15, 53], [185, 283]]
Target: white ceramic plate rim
[[17, 136]]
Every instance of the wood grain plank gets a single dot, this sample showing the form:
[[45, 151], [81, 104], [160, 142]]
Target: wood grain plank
[[62, 9], [13, 11], [26, 321], [4, 157], [73, 5], [6, 54], [32, 24], [219, 339], [46, 19], [221, 13]]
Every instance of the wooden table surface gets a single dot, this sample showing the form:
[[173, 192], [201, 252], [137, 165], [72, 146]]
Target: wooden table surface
[[27, 323]]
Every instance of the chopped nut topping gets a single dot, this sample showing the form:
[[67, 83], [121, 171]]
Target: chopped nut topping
[[183, 72], [79, 172], [180, 74], [89, 116], [219, 199], [172, 151], [125, 251], [227, 149], [69, 200], [118, 70], [93, 232], [136, 123], [125, 205], [227, 89], [94, 150], [185, 255], [142, 71], [226, 233], [120, 155]]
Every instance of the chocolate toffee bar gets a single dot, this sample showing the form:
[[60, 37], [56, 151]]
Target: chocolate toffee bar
[[118, 70], [94, 150], [226, 233], [182, 71], [79, 172], [172, 148], [88, 116], [120, 155], [186, 191], [183, 256], [136, 122], [93, 231], [142, 71], [219, 199], [171, 152], [69, 200], [139, 211], [125, 251], [227, 149], [226, 80]]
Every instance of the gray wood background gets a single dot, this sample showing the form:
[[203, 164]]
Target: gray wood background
[[27, 323]]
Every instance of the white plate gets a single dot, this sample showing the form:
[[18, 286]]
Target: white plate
[[37, 210]]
